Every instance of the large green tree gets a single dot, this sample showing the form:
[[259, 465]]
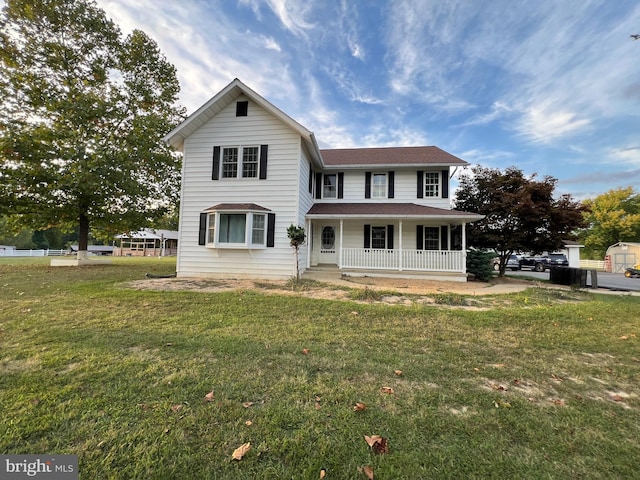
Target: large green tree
[[82, 112], [521, 212], [611, 217]]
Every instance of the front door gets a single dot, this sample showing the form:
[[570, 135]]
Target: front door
[[327, 242]]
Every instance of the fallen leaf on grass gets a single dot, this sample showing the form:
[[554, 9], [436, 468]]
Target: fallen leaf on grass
[[305, 351], [323, 473], [557, 378], [248, 423], [176, 408], [388, 390], [398, 372], [501, 388], [247, 404], [359, 407], [377, 443], [499, 403], [368, 471], [209, 397], [241, 451], [559, 402], [318, 406], [617, 398]]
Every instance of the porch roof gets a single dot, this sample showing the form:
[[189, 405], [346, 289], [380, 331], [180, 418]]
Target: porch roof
[[396, 210]]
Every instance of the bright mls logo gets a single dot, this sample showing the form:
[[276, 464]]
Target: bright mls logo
[[49, 467]]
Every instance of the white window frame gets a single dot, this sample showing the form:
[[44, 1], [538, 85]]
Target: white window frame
[[251, 228], [379, 190], [432, 184], [326, 188], [430, 239], [239, 164], [382, 229]]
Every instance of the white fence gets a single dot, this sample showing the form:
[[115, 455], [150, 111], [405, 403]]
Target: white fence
[[592, 264], [32, 253]]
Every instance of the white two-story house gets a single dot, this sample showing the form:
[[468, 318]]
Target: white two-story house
[[250, 171]]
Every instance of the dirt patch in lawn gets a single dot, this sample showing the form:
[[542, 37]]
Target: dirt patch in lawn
[[392, 291]]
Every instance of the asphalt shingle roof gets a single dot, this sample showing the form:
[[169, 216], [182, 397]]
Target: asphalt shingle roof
[[427, 156]]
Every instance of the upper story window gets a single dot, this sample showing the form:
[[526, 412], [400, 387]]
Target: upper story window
[[379, 185], [231, 158], [431, 184], [250, 162], [330, 186], [230, 162]]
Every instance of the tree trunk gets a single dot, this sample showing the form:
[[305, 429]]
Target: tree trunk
[[83, 236]]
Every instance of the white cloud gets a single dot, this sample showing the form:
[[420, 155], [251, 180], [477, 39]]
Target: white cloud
[[545, 122], [291, 13], [270, 43]]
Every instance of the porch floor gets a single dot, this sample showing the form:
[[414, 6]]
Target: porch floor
[[331, 273]]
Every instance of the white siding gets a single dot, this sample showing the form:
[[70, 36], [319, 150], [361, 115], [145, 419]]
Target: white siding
[[278, 193], [405, 189], [305, 203]]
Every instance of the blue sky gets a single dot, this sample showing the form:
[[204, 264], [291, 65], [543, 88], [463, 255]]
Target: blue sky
[[552, 87]]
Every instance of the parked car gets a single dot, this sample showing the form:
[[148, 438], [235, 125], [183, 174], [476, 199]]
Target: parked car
[[542, 263], [513, 263]]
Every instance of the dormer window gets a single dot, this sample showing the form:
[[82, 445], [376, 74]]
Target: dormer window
[[242, 108]]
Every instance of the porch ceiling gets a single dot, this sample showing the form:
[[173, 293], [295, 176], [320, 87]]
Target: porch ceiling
[[397, 211]]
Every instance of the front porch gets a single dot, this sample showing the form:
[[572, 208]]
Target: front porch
[[401, 260]]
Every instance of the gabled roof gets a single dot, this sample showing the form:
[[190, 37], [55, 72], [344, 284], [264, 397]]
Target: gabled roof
[[397, 210], [221, 100], [390, 156], [151, 234]]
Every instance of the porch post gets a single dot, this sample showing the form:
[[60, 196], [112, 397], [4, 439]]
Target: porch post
[[340, 252], [400, 244], [308, 230], [464, 248]]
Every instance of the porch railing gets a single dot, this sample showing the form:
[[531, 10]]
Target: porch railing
[[421, 260]]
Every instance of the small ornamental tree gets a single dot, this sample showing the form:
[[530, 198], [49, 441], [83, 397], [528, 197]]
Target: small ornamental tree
[[297, 238]]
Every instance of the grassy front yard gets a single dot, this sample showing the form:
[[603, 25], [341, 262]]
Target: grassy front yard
[[544, 385]]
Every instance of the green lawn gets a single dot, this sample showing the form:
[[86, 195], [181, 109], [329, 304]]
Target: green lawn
[[543, 385]]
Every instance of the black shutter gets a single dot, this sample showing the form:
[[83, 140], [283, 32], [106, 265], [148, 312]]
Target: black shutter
[[202, 230], [390, 237], [420, 184], [340, 185], [271, 229], [215, 169], [367, 236], [367, 184], [444, 237], [391, 179], [420, 237], [310, 179], [318, 185], [445, 183], [264, 149]]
